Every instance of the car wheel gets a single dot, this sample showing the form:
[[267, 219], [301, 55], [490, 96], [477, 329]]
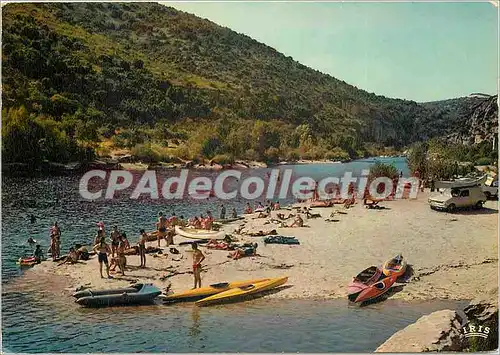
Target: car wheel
[[451, 208], [488, 195], [479, 204]]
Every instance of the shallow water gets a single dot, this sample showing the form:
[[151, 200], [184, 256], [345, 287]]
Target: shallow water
[[40, 320], [33, 324], [53, 199]]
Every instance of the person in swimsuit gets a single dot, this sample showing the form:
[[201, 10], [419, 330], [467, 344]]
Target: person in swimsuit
[[198, 258], [222, 212], [297, 222], [53, 245], [142, 248], [125, 241], [209, 221], [100, 234], [38, 254], [115, 235], [234, 214], [120, 260], [57, 240], [31, 241], [248, 208], [161, 227], [103, 250], [32, 219]]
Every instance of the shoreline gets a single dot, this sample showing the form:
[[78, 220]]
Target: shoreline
[[449, 262], [17, 169]]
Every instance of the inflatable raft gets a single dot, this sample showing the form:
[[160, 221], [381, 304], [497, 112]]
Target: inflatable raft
[[136, 294], [27, 261], [193, 233]]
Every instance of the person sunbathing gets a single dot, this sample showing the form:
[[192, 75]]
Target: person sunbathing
[[71, 258], [243, 252], [297, 222], [263, 215]]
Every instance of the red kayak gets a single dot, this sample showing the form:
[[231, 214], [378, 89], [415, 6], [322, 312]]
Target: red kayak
[[375, 281]]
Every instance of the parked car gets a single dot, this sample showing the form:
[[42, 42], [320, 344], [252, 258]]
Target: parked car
[[458, 197], [490, 189]]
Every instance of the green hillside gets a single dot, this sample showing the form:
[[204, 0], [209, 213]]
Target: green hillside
[[145, 77]]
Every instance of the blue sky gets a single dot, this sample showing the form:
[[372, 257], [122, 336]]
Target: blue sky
[[418, 51]]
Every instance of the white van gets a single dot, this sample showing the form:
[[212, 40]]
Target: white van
[[490, 187], [458, 197]]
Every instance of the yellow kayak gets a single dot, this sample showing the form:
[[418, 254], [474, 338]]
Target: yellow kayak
[[238, 292], [192, 295]]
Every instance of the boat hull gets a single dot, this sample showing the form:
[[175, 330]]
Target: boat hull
[[374, 281], [192, 233], [198, 293], [238, 293], [145, 295]]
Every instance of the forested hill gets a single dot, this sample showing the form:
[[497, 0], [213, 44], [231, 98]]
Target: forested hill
[[147, 77]]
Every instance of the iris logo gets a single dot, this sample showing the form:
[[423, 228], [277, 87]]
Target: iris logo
[[471, 330]]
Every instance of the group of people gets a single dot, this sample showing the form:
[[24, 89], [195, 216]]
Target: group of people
[[202, 222], [222, 214], [119, 244], [270, 206], [164, 224]]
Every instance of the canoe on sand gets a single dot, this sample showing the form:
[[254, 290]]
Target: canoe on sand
[[375, 281], [196, 294], [240, 292], [193, 233]]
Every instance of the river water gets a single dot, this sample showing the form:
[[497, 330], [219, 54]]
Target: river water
[[35, 319]]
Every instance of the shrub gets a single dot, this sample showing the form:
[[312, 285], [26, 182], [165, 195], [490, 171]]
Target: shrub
[[223, 159], [380, 169], [272, 155], [336, 154], [483, 161], [143, 152], [292, 155], [251, 154]]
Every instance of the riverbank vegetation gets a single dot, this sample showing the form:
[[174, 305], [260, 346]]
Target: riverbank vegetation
[[162, 85], [438, 160]]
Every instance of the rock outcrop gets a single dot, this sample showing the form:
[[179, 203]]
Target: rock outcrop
[[483, 312], [438, 331], [479, 124]]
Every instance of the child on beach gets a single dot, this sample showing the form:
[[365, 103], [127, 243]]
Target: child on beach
[[198, 257]]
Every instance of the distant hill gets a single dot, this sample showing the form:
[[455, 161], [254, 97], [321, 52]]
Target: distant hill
[[74, 73]]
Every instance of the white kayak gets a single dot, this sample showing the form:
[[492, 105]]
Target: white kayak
[[193, 233]]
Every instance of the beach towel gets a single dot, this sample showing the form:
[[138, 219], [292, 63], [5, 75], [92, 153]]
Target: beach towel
[[280, 239]]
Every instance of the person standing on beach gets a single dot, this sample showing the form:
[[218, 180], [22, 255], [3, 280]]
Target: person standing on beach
[[115, 235], [142, 248], [103, 250], [198, 258], [161, 227], [222, 212], [56, 231], [234, 214]]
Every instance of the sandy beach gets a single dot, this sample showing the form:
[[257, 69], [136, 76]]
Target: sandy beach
[[454, 256]]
